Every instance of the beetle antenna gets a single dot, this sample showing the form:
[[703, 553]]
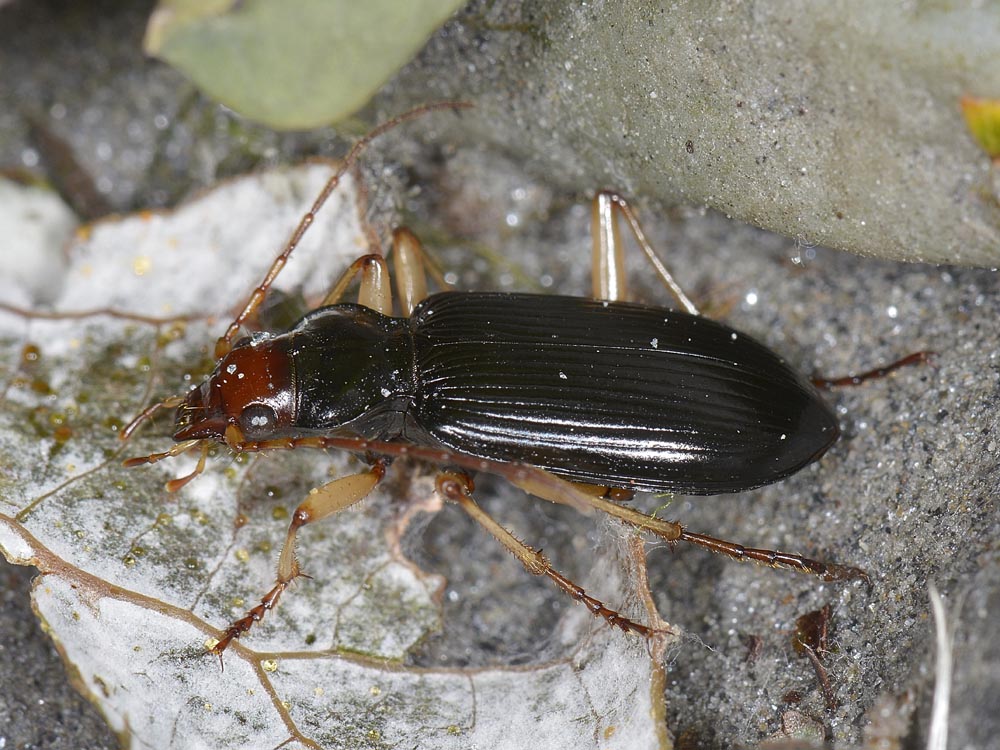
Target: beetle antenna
[[175, 450], [147, 413], [225, 342]]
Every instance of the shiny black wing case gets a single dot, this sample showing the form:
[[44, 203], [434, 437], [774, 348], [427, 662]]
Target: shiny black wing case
[[615, 394]]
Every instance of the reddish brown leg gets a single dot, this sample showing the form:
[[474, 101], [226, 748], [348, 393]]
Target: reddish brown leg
[[458, 488], [775, 559], [321, 503], [547, 486], [917, 358], [674, 532]]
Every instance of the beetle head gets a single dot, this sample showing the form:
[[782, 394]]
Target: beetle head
[[249, 397]]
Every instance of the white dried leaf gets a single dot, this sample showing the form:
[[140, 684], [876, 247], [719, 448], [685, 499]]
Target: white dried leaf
[[136, 581]]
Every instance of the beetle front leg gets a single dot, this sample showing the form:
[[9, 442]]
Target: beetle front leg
[[458, 488], [322, 502]]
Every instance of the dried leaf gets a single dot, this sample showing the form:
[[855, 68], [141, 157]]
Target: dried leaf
[[135, 581]]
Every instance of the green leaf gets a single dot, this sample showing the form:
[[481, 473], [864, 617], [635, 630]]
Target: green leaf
[[292, 65]]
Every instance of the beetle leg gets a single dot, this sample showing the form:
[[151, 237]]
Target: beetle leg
[[674, 532], [410, 266], [580, 497], [617, 494], [458, 487], [322, 502], [608, 280], [375, 291], [549, 487], [775, 559], [608, 274], [225, 342], [917, 358]]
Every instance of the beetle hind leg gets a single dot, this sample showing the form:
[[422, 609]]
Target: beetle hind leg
[[775, 559], [458, 488], [917, 358], [549, 487], [608, 256]]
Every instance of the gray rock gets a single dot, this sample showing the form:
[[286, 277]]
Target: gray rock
[[832, 123], [909, 493]]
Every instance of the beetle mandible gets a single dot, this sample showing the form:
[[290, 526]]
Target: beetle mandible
[[580, 401]]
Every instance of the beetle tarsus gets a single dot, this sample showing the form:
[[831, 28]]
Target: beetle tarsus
[[917, 358], [255, 615], [597, 608], [836, 572], [457, 487], [776, 559]]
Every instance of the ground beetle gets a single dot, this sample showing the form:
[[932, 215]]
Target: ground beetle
[[578, 401]]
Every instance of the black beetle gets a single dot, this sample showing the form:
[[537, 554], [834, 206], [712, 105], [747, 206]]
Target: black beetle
[[579, 401], [605, 393]]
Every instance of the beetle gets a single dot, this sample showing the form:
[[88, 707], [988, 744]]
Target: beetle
[[581, 401]]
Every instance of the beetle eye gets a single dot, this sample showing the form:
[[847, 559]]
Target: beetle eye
[[258, 421]]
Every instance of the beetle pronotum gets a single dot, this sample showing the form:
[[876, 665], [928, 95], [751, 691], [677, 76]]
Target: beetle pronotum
[[578, 401]]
